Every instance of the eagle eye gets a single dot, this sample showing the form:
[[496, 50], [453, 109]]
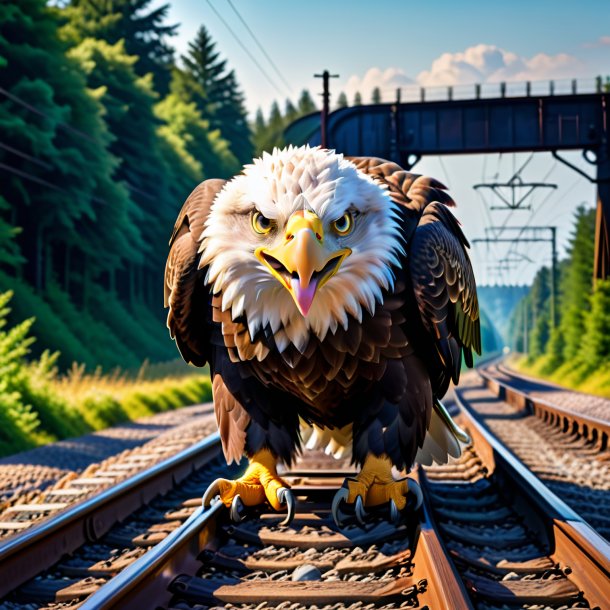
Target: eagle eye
[[261, 224], [343, 225]]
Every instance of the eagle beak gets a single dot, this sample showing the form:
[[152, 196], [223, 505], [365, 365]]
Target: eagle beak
[[301, 262]]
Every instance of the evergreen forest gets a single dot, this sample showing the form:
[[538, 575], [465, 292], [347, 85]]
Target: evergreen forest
[[575, 350], [104, 133]]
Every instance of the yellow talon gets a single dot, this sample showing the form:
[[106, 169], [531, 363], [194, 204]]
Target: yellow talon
[[376, 485], [260, 481]]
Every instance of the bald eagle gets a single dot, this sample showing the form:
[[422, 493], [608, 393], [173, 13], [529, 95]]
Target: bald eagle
[[333, 299]]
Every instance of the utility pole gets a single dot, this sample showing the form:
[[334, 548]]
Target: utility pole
[[325, 76], [532, 236]]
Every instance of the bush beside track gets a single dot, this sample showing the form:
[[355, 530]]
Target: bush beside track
[[38, 406]]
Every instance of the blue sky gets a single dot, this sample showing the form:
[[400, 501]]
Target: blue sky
[[392, 43]]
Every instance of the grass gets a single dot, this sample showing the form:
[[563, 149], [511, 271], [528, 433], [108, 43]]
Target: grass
[[574, 376], [104, 400]]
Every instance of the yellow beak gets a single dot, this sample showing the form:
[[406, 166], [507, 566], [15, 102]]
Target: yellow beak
[[301, 263]]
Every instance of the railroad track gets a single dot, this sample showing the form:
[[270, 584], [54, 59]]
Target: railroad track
[[563, 442], [489, 535]]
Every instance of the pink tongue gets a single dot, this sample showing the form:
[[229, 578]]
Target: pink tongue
[[304, 296]]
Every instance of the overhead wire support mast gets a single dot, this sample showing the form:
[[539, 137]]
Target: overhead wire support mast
[[534, 237], [514, 202], [325, 76]]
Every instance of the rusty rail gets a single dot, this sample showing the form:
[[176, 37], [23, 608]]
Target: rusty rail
[[593, 429], [27, 554], [573, 542]]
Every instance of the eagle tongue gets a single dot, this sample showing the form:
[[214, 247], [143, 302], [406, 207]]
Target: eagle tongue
[[304, 296]]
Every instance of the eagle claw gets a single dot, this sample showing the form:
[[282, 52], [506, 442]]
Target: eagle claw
[[237, 512], [341, 497], [285, 496], [211, 494]]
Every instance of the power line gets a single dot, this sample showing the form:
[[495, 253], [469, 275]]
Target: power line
[[41, 181], [260, 46], [76, 132], [35, 110], [246, 50], [20, 153]]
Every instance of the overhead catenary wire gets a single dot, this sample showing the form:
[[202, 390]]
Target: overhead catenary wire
[[245, 49], [260, 46]]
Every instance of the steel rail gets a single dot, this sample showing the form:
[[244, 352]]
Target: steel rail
[[574, 542], [592, 428], [25, 555], [149, 576]]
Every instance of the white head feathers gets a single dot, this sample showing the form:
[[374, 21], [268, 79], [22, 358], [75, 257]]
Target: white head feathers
[[277, 185]]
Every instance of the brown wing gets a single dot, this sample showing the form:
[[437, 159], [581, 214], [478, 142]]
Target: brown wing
[[185, 292], [440, 270], [445, 289]]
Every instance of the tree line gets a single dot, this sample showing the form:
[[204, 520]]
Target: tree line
[[579, 343], [103, 135]]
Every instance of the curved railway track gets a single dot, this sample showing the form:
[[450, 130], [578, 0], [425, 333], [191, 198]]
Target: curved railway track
[[489, 535], [565, 444]]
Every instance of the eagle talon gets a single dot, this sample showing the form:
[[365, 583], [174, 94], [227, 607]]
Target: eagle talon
[[285, 496], [211, 494], [340, 497], [394, 513], [361, 514], [237, 512]]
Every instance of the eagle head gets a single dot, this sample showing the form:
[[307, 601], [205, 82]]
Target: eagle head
[[299, 242]]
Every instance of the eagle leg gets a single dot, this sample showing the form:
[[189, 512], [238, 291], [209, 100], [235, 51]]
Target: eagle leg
[[260, 482], [377, 486]]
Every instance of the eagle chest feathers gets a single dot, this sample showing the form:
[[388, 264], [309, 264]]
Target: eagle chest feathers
[[325, 373]]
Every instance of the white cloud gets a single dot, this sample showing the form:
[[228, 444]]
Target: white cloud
[[477, 64], [488, 63], [387, 80]]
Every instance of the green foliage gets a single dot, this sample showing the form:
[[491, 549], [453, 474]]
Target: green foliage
[[107, 348], [577, 351], [60, 180], [34, 409], [214, 89], [376, 96], [358, 99], [9, 251], [27, 406], [268, 134], [577, 282], [595, 345], [49, 328], [103, 155], [201, 149], [342, 100], [141, 28]]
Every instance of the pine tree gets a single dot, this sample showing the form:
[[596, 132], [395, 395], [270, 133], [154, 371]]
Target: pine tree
[[376, 96], [306, 104], [208, 82], [595, 347], [128, 101], [342, 100], [358, 99], [576, 282], [60, 185], [203, 150], [290, 112], [141, 27], [259, 132]]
